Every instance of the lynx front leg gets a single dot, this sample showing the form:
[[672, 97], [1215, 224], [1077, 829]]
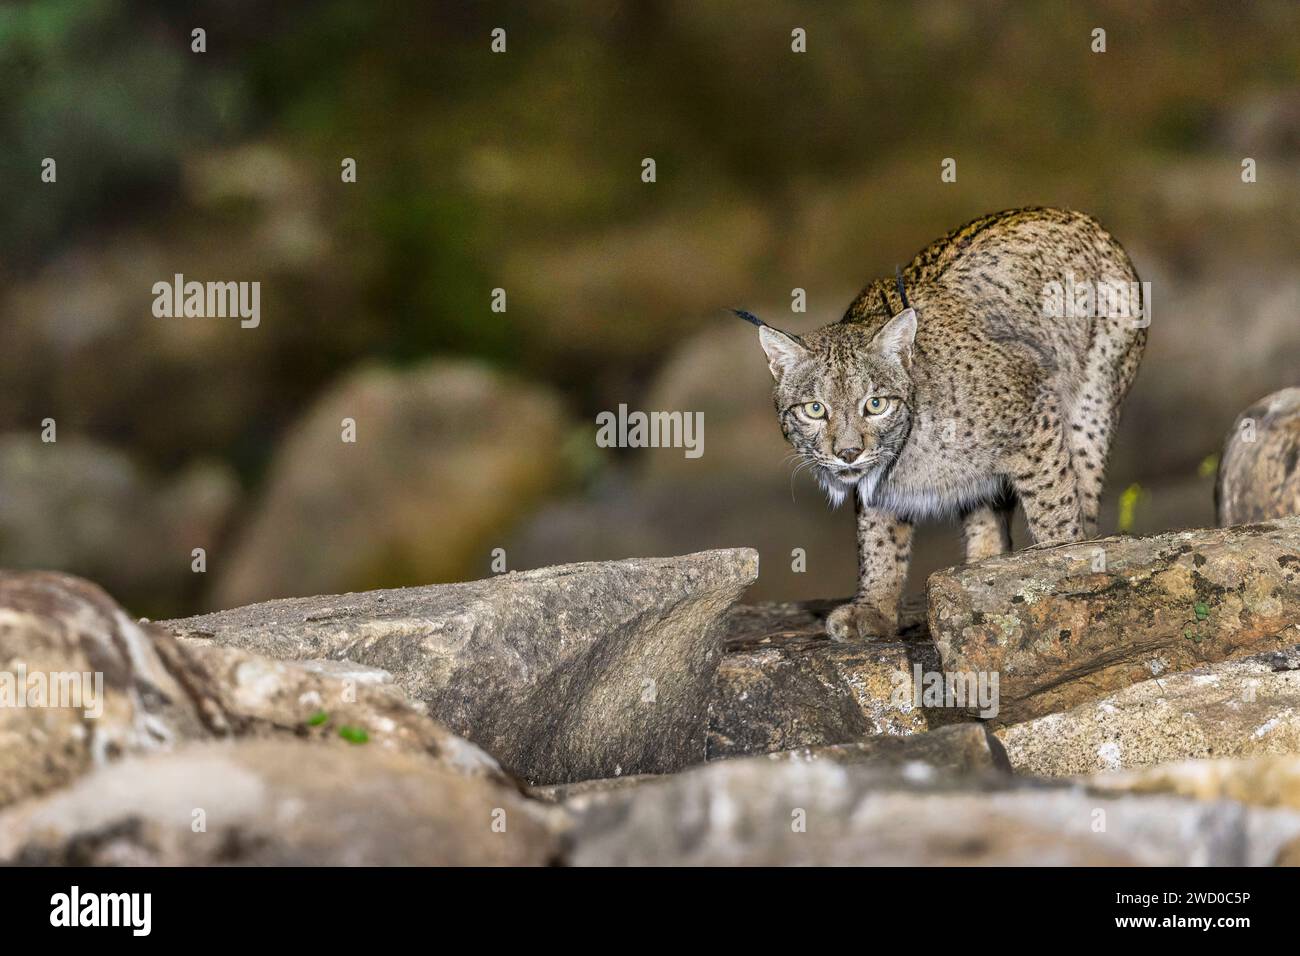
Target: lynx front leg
[[884, 551]]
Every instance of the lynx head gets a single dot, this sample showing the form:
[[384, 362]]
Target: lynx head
[[844, 398]]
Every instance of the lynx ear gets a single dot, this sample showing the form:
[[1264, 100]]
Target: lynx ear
[[783, 350], [894, 340]]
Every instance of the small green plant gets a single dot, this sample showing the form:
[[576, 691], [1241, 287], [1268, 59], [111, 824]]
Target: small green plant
[[318, 718], [1209, 465], [1192, 628], [354, 735]]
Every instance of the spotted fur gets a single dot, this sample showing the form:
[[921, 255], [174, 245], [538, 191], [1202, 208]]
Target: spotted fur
[[991, 400]]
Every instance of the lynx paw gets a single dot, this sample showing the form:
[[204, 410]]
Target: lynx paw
[[859, 622]]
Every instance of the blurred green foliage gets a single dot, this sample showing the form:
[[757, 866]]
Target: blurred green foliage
[[478, 168]]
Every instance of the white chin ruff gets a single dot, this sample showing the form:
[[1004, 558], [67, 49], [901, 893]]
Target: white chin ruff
[[837, 490]]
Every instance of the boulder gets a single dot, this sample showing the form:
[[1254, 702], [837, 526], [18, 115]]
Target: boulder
[[784, 684], [1259, 472], [961, 749], [957, 748], [1261, 781], [331, 701], [565, 673], [81, 684], [280, 803], [446, 457], [762, 812], [1193, 353], [1240, 708], [1072, 623], [82, 345], [89, 509]]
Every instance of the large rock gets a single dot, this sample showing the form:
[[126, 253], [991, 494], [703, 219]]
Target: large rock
[[1067, 624], [962, 749], [82, 345], [564, 673], [249, 695], [957, 748], [81, 684], [784, 684], [89, 509], [762, 812], [280, 803], [1260, 781], [1238, 708], [1259, 473], [1193, 354], [447, 456]]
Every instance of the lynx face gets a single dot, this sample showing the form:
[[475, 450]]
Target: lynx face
[[844, 401]]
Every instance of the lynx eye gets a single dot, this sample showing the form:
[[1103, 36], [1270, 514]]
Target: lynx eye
[[814, 410], [875, 405]]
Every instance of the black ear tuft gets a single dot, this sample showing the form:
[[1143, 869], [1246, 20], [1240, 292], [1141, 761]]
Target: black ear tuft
[[902, 292], [749, 317]]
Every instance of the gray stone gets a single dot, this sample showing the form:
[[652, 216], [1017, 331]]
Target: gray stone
[[1240, 708], [1259, 473], [784, 684], [960, 749], [249, 695], [566, 673], [89, 509], [109, 689], [1072, 623], [957, 748], [281, 803], [144, 691], [1272, 781], [762, 812], [448, 455]]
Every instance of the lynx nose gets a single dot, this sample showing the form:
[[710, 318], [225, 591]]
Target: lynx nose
[[849, 455]]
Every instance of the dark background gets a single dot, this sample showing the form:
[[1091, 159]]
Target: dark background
[[521, 171]]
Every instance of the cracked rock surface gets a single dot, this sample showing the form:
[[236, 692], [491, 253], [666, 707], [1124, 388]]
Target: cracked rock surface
[[1073, 623], [563, 673]]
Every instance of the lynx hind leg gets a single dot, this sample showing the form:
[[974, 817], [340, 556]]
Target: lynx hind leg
[[1043, 476], [884, 552], [1109, 370], [987, 530]]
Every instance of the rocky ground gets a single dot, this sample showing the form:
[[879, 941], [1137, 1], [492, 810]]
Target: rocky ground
[[1126, 701]]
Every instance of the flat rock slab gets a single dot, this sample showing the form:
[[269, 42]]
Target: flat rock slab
[[959, 749], [784, 684], [763, 812], [564, 673], [955, 749], [280, 803], [1068, 624], [1241, 708]]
